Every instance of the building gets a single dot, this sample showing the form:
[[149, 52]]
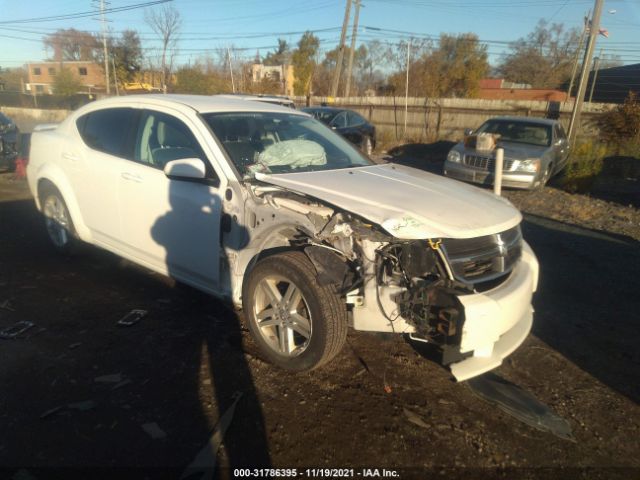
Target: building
[[500, 89], [41, 76], [614, 84], [282, 74]]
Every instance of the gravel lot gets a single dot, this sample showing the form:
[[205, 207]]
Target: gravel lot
[[181, 366]]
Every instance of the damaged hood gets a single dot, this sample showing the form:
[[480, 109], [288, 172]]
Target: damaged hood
[[408, 203]]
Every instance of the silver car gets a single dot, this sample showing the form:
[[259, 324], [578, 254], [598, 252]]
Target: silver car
[[535, 149]]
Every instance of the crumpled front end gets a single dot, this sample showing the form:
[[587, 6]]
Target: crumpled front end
[[469, 296]]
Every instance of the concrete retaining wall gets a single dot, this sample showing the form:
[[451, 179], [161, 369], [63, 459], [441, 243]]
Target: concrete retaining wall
[[27, 118]]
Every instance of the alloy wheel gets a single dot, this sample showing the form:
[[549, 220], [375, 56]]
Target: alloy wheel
[[282, 316], [56, 220]]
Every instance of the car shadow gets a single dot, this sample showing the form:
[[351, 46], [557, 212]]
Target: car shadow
[[619, 181], [179, 369], [587, 299], [221, 356]]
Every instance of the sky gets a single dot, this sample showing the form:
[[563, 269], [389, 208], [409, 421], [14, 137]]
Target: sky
[[255, 25]]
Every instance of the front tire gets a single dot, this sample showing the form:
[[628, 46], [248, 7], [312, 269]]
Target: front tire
[[298, 324], [57, 220]]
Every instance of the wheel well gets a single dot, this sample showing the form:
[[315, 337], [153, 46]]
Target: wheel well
[[45, 185], [261, 255]]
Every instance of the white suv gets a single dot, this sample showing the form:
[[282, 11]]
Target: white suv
[[268, 208]]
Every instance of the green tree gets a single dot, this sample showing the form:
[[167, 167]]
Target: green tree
[[621, 125], [11, 79], [303, 61], [66, 83], [201, 79], [457, 66], [192, 80], [544, 58], [280, 56], [452, 69], [127, 56]]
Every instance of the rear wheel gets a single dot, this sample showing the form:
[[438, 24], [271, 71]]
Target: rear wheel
[[57, 221], [298, 324]]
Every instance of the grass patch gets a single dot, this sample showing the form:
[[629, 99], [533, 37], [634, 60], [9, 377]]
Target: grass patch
[[585, 164]]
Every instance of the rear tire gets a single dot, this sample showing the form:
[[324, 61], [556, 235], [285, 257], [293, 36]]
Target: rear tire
[[298, 324], [57, 220]]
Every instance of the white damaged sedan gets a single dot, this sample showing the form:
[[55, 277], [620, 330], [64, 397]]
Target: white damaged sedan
[[271, 210]]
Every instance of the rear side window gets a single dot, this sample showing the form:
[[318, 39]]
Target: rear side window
[[107, 130], [340, 120], [355, 119]]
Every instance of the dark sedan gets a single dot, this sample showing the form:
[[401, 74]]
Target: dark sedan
[[8, 142], [351, 125]]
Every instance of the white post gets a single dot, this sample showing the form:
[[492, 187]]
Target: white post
[[497, 182]]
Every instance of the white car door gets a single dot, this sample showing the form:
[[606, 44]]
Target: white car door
[[170, 225], [105, 139]]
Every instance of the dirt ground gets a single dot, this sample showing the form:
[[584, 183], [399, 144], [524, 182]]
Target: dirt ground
[[181, 367]]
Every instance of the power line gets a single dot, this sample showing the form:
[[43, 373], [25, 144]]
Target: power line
[[91, 13]]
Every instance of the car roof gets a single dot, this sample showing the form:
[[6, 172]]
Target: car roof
[[323, 109], [259, 98], [512, 118], [199, 103]]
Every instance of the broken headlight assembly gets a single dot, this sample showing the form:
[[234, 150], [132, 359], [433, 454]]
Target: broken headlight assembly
[[426, 295]]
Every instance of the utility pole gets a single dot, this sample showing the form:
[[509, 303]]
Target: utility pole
[[343, 35], [578, 51], [353, 48], [104, 46], [586, 64], [596, 67], [115, 76], [233, 85], [406, 90]]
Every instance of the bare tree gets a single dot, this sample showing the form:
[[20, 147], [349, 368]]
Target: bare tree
[[166, 24], [71, 45]]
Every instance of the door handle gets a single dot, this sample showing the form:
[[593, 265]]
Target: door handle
[[70, 156], [132, 177]]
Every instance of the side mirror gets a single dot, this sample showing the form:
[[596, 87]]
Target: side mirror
[[185, 169], [468, 131]]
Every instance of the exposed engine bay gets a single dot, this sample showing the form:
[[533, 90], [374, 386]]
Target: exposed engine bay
[[389, 284]]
